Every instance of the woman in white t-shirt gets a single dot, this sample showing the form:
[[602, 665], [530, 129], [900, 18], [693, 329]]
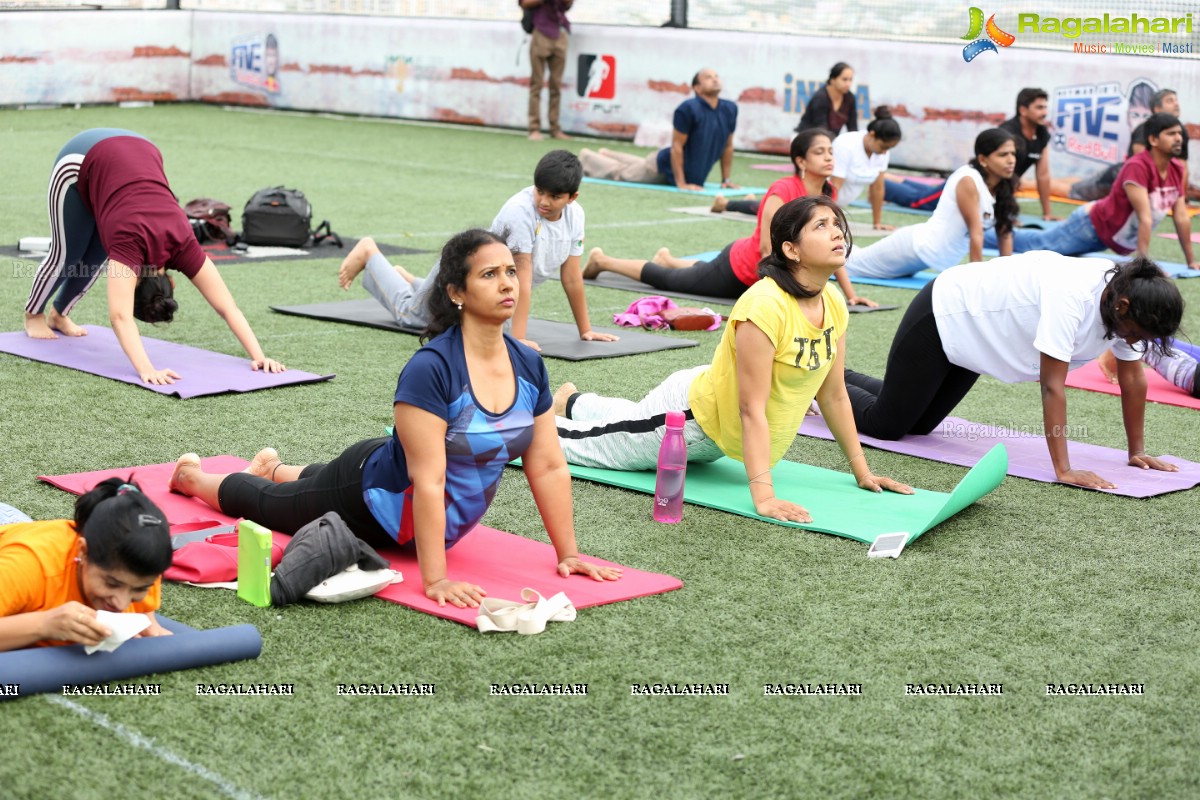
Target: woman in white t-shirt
[[859, 160], [1029, 317], [983, 194]]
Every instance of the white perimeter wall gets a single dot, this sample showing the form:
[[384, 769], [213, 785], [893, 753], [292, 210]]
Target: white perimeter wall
[[479, 72]]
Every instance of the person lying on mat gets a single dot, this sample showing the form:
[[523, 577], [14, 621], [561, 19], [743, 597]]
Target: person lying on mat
[[983, 194], [112, 210], [1149, 185], [1028, 317], [1178, 365], [543, 226], [55, 575], [469, 401], [784, 345], [736, 267]]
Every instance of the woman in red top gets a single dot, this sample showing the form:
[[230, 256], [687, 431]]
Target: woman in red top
[[736, 267], [111, 205]]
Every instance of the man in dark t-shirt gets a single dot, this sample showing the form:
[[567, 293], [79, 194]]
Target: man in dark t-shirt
[[1029, 129]]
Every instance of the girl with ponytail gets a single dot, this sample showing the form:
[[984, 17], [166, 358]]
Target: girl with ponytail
[[785, 345], [55, 576], [983, 198], [1028, 317]]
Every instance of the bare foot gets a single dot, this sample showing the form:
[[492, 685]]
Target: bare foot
[[561, 396], [535, 136], [1108, 365], [560, 136], [187, 461], [62, 324], [719, 204], [264, 463], [592, 268], [356, 261], [664, 258], [36, 327]]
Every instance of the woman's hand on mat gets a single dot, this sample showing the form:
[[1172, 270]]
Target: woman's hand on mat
[[878, 483], [154, 630], [883, 226], [160, 377], [1194, 265], [690, 187], [729, 185], [267, 365], [531, 343], [592, 336], [1051, 218], [1150, 462], [574, 564], [1084, 478], [457, 593], [862, 301], [783, 510], [74, 622]]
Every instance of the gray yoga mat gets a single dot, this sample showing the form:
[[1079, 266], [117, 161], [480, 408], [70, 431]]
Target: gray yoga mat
[[557, 339], [611, 280]]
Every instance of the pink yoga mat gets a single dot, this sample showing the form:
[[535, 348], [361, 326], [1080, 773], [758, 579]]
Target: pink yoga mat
[[204, 372], [957, 441], [1175, 236], [1158, 388], [502, 563]]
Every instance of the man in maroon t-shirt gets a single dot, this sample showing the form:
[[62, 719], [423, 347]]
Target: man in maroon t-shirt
[[113, 213], [1149, 185]]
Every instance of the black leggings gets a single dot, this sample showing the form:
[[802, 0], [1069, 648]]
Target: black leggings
[[744, 206], [920, 388], [713, 278], [321, 488]]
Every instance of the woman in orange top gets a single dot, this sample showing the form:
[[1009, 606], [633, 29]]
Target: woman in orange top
[[55, 575]]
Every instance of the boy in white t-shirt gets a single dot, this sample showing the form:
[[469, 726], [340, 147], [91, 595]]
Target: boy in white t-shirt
[[542, 225]]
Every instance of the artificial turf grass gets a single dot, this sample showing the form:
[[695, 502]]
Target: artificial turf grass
[[1033, 584]]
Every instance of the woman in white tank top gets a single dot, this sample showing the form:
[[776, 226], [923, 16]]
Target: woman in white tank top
[[983, 194]]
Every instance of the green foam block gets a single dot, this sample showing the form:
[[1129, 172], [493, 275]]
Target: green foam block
[[833, 499]]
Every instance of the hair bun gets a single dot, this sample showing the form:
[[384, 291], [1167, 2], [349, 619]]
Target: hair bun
[[882, 112]]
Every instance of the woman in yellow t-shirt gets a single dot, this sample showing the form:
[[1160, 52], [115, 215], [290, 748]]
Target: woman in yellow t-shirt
[[55, 575], [784, 346]]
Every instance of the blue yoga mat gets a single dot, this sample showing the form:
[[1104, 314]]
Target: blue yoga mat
[[1026, 219], [710, 189], [47, 669], [1172, 268]]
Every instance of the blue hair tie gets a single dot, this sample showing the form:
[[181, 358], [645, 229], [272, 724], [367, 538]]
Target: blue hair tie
[[126, 488]]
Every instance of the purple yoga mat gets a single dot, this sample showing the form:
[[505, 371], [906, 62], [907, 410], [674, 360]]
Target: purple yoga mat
[[203, 371], [957, 441]]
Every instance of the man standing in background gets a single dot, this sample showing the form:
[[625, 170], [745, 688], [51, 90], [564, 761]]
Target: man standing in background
[[548, 49]]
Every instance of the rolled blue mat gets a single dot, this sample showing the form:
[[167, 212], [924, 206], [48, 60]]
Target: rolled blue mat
[[48, 669]]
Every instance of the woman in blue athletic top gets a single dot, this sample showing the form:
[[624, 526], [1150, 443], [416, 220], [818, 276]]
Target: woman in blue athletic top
[[468, 402]]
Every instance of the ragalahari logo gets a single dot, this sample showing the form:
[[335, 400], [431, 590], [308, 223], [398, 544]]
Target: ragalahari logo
[[597, 76], [995, 36]]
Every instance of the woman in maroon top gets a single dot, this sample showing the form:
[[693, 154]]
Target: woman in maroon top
[[113, 212]]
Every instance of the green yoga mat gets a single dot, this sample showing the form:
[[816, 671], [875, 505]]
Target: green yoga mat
[[833, 499]]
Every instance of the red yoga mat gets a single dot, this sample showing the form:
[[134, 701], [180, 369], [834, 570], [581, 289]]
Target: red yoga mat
[[1158, 388], [502, 563]]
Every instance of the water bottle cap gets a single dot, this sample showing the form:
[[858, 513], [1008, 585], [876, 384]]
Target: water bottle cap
[[676, 419]]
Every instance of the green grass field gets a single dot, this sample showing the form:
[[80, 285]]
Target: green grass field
[[1035, 584]]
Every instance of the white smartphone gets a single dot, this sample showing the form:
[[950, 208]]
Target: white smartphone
[[887, 545]]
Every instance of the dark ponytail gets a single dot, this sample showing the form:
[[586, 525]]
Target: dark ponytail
[[885, 128], [452, 271], [154, 297], [799, 150], [123, 528], [1005, 205], [786, 226], [1155, 304]]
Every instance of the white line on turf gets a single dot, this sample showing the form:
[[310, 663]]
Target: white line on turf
[[133, 737]]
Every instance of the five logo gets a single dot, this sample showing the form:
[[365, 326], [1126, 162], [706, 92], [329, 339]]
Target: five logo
[[995, 36], [597, 76]]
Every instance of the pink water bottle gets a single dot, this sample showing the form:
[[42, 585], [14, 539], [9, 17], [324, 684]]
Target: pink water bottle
[[672, 468]]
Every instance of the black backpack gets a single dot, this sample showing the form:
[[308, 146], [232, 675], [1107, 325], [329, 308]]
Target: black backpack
[[281, 217], [526, 18]]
